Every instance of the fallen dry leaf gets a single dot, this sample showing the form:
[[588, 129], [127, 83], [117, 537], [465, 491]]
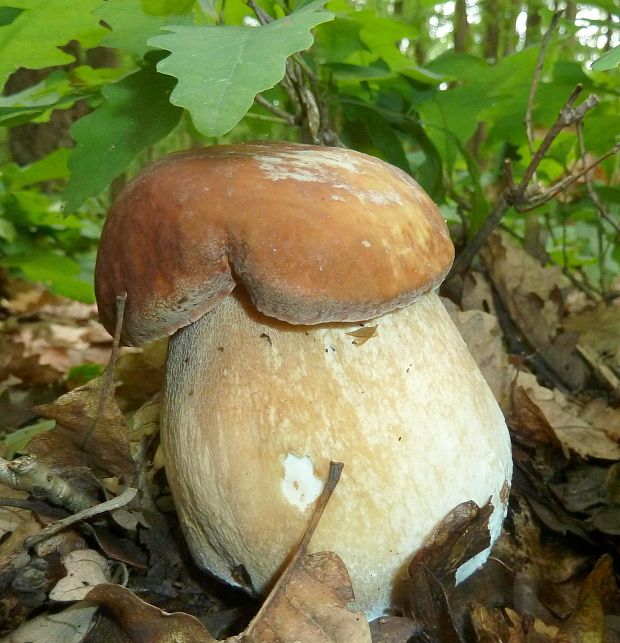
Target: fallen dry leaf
[[429, 605], [308, 602], [362, 335], [528, 423], [532, 295], [462, 534], [599, 328], [573, 432], [507, 626], [85, 569], [311, 606], [90, 431], [483, 337], [587, 623], [69, 626], [393, 629], [142, 622]]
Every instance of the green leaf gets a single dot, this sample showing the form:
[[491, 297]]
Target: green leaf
[[382, 135], [8, 15], [7, 231], [135, 114], [133, 22], [50, 167], [16, 441], [221, 69], [428, 174], [33, 38], [59, 273], [608, 60]]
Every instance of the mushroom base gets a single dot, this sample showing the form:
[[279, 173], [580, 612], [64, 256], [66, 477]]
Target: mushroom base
[[255, 410]]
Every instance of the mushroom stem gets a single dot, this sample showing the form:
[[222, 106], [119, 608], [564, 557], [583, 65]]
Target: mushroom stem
[[255, 410]]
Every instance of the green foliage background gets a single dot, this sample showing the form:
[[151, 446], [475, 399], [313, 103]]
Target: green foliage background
[[409, 81]]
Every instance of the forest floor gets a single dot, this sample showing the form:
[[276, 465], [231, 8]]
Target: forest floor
[[90, 546]]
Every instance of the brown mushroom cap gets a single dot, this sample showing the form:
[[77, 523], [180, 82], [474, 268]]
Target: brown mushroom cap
[[314, 234]]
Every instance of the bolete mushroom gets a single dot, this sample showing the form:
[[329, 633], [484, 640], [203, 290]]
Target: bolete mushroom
[[264, 262]]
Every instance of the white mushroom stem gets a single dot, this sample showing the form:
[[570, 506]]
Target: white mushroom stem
[[255, 410]]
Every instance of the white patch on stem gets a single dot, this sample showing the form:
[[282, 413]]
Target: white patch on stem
[[300, 486]]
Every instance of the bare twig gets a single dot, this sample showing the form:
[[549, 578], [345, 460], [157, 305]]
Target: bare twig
[[519, 196], [301, 85], [558, 187], [107, 389], [26, 473], [565, 118], [335, 469], [51, 530], [596, 202], [263, 17], [289, 119], [536, 78]]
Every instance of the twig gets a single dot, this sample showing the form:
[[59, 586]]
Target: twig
[[558, 187], [263, 17], [335, 469], [518, 196], [26, 473], [591, 192], [536, 78], [565, 117], [289, 119], [123, 499], [107, 388]]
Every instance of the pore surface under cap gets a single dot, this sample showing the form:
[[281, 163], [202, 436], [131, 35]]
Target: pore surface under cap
[[314, 234]]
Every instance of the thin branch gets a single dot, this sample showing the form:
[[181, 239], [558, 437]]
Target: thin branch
[[536, 78], [289, 119], [26, 473], [263, 17], [566, 182], [107, 388], [590, 187], [51, 530], [563, 119], [518, 196]]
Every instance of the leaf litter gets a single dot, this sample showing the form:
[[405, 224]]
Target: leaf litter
[[550, 357]]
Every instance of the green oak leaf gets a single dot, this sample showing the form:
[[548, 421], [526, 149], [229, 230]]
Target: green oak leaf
[[33, 38], [221, 69], [136, 113], [133, 22], [58, 272], [608, 60]]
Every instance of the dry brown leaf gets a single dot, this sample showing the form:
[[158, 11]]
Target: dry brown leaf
[[142, 622], [528, 422], [308, 603], [483, 337], [362, 335], [587, 623], [85, 569], [311, 606], [574, 433], [90, 431], [69, 626], [507, 626], [393, 629], [600, 329], [532, 294], [429, 605], [477, 293], [462, 534], [602, 417]]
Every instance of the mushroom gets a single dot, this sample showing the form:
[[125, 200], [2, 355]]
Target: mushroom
[[298, 284]]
